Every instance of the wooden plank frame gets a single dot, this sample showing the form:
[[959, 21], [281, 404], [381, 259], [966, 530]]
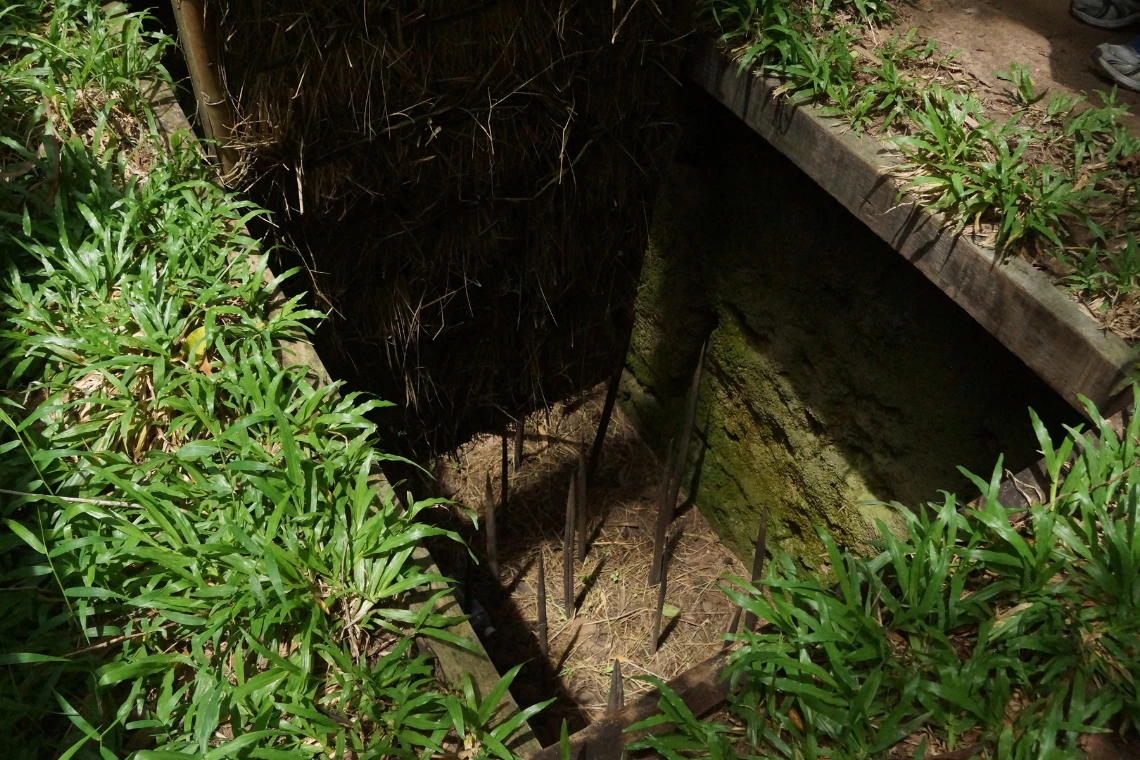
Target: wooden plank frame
[[1016, 303]]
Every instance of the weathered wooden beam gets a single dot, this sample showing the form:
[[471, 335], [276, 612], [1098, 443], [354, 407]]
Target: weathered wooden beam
[[701, 688], [1016, 303]]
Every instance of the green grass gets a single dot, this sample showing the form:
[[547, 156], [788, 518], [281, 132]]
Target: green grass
[[1045, 178], [195, 562], [1017, 634]]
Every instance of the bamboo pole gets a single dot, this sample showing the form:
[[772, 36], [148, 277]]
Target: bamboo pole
[[520, 431], [214, 111], [687, 430], [660, 609]]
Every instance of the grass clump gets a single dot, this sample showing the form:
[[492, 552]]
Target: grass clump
[[1042, 175], [1016, 635], [196, 561]]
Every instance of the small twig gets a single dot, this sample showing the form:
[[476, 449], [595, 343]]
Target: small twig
[[543, 638], [758, 563], [118, 640], [489, 508], [616, 699]]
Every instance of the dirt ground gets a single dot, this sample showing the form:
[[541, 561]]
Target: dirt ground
[[616, 607], [1039, 33]]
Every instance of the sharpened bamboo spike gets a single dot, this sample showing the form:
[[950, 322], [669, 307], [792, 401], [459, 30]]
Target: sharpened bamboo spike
[[687, 430], [581, 506], [616, 700], [492, 538], [735, 622], [604, 422], [568, 551], [664, 517], [660, 610], [543, 641], [758, 563], [520, 431], [504, 490]]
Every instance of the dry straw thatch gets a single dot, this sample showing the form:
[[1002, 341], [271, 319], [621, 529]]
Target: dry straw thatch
[[470, 182]]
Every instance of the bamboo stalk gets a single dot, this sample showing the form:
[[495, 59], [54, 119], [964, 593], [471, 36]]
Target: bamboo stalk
[[492, 537], [664, 517], [660, 610], [568, 552], [520, 432], [616, 699], [687, 430], [505, 474], [214, 110], [582, 516], [543, 640], [758, 563]]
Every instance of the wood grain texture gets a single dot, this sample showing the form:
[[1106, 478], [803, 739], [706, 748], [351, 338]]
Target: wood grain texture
[[454, 661], [1013, 301]]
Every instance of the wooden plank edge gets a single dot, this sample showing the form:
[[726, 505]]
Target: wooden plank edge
[[1013, 301], [453, 660]]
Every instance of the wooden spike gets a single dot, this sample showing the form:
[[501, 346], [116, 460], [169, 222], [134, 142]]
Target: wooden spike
[[503, 491], [568, 551], [581, 506], [492, 538], [687, 430], [735, 622], [520, 431], [604, 422], [543, 641], [664, 517], [758, 563], [616, 700], [660, 610]]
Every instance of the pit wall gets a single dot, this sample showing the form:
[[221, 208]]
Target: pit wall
[[836, 376]]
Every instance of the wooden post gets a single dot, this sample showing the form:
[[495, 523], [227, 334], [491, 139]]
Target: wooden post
[[543, 640], [214, 111], [492, 538], [758, 563], [664, 517], [568, 551], [582, 516], [616, 699]]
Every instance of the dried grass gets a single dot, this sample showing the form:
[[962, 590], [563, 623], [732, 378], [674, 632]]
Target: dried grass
[[615, 616], [470, 182]]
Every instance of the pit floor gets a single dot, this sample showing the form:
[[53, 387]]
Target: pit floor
[[616, 607]]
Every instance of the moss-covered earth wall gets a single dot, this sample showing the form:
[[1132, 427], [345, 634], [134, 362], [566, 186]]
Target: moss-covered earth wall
[[836, 375]]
